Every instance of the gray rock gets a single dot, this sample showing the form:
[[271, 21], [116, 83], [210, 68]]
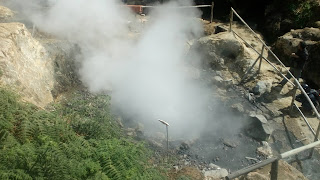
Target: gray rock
[[262, 87], [259, 127], [215, 174], [217, 48], [259, 117], [218, 73], [227, 83], [238, 107], [229, 143], [265, 150], [214, 167], [217, 80]]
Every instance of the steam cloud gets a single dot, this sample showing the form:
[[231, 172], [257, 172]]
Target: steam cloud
[[148, 75]]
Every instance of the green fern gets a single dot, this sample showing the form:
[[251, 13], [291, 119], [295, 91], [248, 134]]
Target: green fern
[[76, 140]]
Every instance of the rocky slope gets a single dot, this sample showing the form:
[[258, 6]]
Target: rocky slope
[[38, 68], [25, 64], [39, 71]]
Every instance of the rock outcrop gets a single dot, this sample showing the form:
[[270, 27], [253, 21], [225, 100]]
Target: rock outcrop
[[25, 64], [5, 13], [288, 43], [220, 51]]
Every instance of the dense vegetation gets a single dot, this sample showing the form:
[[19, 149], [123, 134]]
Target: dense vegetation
[[302, 12], [77, 139]]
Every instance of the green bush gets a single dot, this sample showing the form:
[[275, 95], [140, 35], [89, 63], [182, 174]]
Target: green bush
[[78, 139], [302, 12]]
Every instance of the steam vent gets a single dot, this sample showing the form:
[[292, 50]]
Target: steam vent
[[150, 89]]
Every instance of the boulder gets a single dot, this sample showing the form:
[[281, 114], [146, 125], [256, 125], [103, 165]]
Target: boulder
[[25, 64], [217, 80], [289, 42], [262, 87], [259, 127], [217, 48], [214, 167], [265, 150], [238, 107], [215, 174]]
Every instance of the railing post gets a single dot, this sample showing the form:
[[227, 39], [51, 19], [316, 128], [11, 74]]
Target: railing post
[[261, 55], [274, 170], [315, 139], [211, 19], [247, 72], [231, 19], [294, 96]]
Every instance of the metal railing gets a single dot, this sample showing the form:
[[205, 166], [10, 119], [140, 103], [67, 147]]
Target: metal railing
[[296, 84], [184, 7], [274, 161]]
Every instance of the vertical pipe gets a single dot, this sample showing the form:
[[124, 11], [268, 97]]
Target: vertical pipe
[[274, 170], [211, 19], [315, 139], [167, 143], [231, 19], [261, 55], [294, 96]]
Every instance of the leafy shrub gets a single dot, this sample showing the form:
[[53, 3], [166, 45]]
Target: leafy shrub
[[77, 140], [302, 12]]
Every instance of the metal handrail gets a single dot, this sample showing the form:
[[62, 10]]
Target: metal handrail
[[271, 160], [296, 84], [264, 58], [255, 34], [269, 50], [305, 119]]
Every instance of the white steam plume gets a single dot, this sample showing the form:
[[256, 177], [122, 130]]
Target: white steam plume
[[147, 75]]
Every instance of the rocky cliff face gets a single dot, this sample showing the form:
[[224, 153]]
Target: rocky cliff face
[[288, 43], [25, 64]]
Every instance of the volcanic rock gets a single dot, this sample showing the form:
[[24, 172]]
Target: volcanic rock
[[259, 127], [238, 107], [217, 80], [25, 64], [288, 43], [218, 47], [214, 167], [262, 87], [215, 174], [265, 150], [229, 143]]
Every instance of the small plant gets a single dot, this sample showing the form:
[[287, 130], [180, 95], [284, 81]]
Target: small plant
[[302, 12]]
